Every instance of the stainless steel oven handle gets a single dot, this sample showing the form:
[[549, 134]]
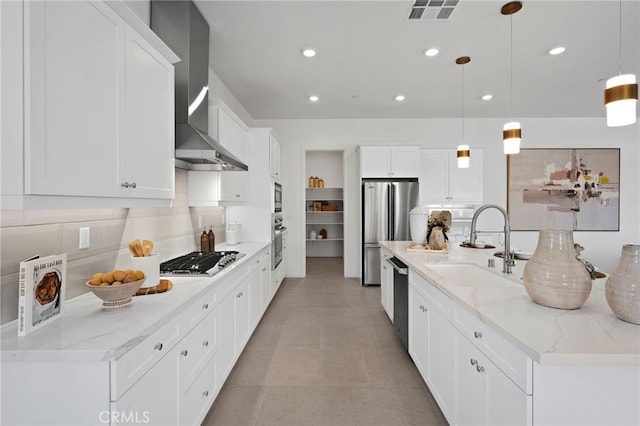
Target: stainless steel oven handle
[[402, 270]]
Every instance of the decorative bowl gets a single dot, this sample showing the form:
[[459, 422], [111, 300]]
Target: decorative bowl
[[116, 296]]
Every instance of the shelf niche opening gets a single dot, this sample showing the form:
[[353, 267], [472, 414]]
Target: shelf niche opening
[[324, 207]]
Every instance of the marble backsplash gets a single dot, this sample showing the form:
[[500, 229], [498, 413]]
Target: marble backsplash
[[174, 230]]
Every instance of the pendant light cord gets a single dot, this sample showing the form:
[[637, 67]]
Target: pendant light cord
[[511, 67], [620, 41], [463, 104]]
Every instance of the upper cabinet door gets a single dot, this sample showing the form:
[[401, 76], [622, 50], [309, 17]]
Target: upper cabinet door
[[442, 182], [148, 154], [465, 185], [389, 161], [434, 175], [274, 154], [375, 161], [99, 106], [74, 80], [404, 161]]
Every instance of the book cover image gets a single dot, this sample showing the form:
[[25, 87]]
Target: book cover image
[[41, 293]]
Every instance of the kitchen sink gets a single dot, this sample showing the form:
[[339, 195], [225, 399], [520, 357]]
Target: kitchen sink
[[469, 274]]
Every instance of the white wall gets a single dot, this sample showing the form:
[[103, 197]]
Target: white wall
[[296, 136]]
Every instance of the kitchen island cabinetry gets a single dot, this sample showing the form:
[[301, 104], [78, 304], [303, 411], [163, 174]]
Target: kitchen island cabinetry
[[161, 361], [389, 161], [514, 362], [442, 182], [386, 282], [98, 101], [430, 344]]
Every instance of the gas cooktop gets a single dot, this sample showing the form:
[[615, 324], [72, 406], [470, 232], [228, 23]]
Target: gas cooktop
[[199, 263]]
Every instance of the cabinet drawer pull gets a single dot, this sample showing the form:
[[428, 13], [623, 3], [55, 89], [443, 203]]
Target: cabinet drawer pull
[[473, 361], [125, 184], [205, 306], [264, 269], [480, 368], [205, 393], [184, 352], [158, 346], [205, 343], [477, 334], [133, 185]]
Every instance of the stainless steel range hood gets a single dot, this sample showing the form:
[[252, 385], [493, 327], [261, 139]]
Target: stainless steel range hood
[[183, 28]]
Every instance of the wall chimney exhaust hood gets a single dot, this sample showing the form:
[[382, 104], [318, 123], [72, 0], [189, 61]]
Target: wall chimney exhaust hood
[[183, 28]]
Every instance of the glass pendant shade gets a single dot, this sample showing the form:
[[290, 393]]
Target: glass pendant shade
[[511, 135], [463, 156], [621, 99]]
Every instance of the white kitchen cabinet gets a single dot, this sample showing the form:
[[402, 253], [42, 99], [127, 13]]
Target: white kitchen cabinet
[[171, 370], [228, 129], [214, 188], [153, 400], [255, 292], [484, 394], [242, 315], [389, 161], [234, 186], [148, 149], [265, 280], [386, 283], [274, 157], [98, 102], [430, 344], [442, 182]]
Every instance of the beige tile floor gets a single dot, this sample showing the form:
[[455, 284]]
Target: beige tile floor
[[325, 353]]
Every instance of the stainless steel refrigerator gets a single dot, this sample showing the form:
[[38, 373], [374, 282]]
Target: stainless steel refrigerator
[[385, 217]]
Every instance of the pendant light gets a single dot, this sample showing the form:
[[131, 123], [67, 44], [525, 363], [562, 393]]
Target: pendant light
[[621, 93], [463, 150], [511, 132]]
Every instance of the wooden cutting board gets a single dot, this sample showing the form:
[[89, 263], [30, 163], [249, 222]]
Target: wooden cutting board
[[163, 286], [424, 248]]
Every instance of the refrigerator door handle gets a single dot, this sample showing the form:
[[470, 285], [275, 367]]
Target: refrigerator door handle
[[392, 213]]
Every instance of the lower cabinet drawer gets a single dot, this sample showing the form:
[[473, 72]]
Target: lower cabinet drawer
[[512, 361], [195, 312], [198, 399], [195, 350], [128, 369]]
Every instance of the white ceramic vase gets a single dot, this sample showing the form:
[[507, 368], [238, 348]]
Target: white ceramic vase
[[436, 238], [554, 276], [623, 285]]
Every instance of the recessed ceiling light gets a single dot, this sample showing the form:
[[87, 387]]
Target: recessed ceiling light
[[557, 50], [400, 98], [309, 52], [314, 98], [487, 97], [431, 52]]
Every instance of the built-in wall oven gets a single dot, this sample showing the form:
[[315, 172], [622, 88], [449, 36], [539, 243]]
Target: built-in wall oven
[[276, 240], [277, 197]]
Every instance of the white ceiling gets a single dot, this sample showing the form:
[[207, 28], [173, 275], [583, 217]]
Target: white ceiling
[[368, 52]]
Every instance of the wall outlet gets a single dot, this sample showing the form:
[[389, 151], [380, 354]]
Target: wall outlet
[[85, 238], [199, 222]]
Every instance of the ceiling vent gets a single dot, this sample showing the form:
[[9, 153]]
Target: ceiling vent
[[432, 10]]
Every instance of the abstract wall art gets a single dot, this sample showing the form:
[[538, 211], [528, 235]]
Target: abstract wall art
[[567, 188]]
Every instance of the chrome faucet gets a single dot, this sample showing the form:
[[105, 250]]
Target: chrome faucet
[[508, 259]]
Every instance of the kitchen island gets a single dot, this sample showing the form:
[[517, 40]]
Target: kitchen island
[[163, 360], [490, 355]]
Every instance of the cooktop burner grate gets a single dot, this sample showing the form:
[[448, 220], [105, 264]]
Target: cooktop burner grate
[[195, 263]]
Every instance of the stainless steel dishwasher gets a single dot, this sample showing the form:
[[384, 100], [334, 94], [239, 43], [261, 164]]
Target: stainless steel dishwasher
[[400, 299]]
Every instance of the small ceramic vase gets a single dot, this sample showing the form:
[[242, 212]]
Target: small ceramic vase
[[436, 238], [623, 285], [554, 276]]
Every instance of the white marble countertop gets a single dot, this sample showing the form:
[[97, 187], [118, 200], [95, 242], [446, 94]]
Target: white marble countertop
[[86, 332], [590, 335]]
